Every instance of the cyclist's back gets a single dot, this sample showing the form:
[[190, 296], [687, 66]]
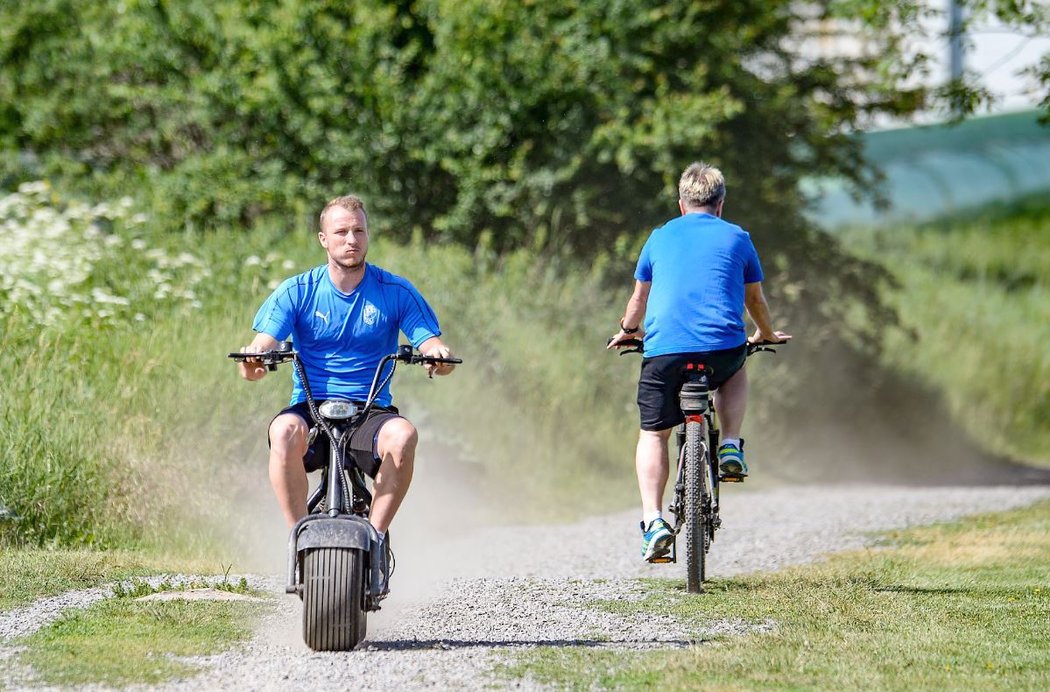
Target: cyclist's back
[[697, 265]]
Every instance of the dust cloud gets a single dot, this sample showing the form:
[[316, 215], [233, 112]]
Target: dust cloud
[[443, 502], [851, 420]]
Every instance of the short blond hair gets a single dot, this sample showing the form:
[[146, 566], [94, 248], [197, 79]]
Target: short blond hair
[[701, 186], [348, 202]]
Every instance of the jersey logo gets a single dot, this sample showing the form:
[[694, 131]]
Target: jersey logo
[[322, 315], [370, 314]]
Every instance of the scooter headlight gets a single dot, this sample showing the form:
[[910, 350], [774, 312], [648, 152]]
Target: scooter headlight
[[337, 409]]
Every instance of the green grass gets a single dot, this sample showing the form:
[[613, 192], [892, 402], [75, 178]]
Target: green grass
[[974, 300], [29, 574], [26, 575], [958, 606], [122, 641]]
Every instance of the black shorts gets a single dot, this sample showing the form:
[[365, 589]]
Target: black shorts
[[362, 445], [662, 378]]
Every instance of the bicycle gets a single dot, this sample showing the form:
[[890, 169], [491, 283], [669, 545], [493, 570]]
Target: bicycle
[[695, 503], [334, 563]]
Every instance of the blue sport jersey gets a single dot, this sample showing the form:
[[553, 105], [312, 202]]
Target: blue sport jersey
[[698, 265], [341, 337]]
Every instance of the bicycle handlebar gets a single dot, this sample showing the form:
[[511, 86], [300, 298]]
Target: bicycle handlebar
[[271, 359], [637, 346], [406, 354]]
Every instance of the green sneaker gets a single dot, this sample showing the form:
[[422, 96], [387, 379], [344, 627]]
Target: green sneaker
[[656, 540], [731, 461]]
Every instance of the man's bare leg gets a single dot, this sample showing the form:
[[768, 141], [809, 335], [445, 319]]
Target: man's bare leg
[[731, 404], [287, 474], [397, 449], [650, 463]]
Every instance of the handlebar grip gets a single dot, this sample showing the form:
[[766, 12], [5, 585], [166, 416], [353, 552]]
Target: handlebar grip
[[629, 346], [266, 357]]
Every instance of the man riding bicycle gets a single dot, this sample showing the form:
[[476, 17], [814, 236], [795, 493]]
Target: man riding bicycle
[[695, 277], [343, 317]]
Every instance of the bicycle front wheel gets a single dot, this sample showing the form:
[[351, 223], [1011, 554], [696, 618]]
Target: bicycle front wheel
[[697, 495], [334, 617]]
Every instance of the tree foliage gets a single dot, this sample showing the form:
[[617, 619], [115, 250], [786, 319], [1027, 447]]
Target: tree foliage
[[558, 125]]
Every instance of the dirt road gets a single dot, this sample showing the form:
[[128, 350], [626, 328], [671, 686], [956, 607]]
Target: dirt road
[[464, 595]]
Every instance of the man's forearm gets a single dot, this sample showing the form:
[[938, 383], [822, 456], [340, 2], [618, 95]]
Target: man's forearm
[[758, 311], [634, 313]]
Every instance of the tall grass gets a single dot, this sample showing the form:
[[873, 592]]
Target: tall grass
[[100, 369], [974, 299]]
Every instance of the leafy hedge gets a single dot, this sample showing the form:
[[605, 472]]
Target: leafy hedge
[[561, 123]]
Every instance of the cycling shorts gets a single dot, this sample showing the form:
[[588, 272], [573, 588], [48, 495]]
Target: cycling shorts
[[362, 446], [662, 378]]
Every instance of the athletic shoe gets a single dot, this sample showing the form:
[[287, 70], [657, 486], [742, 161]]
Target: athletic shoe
[[731, 460], [382, 568], [657, 540]]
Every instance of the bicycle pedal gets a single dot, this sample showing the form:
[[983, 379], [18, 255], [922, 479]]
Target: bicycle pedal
[[661, 560], [731, 478]]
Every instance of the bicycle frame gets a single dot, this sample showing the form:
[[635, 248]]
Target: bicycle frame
[[697, 408]]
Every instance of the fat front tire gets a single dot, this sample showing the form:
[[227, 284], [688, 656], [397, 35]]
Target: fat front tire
[[694, 527], [333, 598]]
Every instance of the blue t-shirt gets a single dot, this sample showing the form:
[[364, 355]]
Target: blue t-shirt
[[698, 265], [341, 337]]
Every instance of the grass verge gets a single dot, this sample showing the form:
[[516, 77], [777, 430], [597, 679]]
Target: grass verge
[[965, 605], [122, 641], [26, 575]]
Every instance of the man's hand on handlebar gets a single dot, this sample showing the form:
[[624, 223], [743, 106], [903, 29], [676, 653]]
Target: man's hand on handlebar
[[622, 339], [761, 337], [435, 348], [252, 369]]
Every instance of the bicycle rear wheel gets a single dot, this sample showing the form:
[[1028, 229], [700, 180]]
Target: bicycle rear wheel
[[697, 494]]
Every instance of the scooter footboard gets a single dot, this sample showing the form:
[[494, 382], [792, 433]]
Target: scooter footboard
[[323, 531]]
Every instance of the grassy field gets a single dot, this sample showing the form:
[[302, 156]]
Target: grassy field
[[958, 606], [974, 300]]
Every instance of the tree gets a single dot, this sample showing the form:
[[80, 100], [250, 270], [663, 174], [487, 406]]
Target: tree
[[557, 125]]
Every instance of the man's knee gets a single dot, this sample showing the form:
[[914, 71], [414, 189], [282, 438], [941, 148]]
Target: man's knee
[[655, 435], [397, 439], [288, 435]]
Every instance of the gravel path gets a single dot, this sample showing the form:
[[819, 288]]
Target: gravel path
[[448, 620]]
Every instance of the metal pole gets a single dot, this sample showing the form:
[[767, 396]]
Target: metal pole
[[955, 43]]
